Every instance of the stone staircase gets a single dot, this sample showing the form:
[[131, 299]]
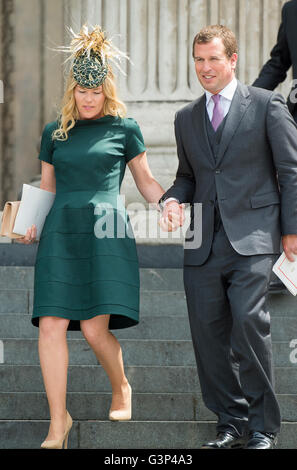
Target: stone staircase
[[168, 411]]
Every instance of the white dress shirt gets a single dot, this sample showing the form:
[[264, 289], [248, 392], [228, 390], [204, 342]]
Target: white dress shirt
[[227, 95]]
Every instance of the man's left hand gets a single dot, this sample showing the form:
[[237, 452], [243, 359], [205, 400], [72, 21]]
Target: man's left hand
[[290, 246]]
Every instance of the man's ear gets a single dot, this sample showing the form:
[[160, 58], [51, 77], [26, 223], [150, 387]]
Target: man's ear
[[233, 59]]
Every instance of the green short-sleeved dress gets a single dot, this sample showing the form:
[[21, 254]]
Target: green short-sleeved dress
[[86, 262]]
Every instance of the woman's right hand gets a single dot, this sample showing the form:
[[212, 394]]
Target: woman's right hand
[[30, 236]]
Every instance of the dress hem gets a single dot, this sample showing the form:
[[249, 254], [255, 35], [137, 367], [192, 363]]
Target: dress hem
[[116, 321]]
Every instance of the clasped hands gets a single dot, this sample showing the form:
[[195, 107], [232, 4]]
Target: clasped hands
[[173, 216]]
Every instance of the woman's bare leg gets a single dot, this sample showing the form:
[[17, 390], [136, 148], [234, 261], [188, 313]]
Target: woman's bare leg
[[53, 355], [109, 353]]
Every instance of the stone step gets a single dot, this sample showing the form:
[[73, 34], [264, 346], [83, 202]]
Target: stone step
[[15, 301], [20, 326], [163, 327], [145, 406], [157, 253], [151, 279], [95, 434], [148, 379], [152, 302], [135, 352], [88, 405], [22, 277]]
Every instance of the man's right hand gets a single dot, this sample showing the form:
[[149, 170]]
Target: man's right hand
[[173, 216]]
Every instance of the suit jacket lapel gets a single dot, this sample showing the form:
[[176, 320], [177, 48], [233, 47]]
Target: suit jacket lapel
[[199, 124], [239, 105]]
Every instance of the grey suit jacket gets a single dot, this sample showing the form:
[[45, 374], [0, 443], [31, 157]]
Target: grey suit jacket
[[254, 177]]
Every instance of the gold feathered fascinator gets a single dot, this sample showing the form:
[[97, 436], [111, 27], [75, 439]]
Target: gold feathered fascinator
[[91, 54]]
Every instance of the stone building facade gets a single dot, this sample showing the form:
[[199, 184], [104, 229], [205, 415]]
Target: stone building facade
[[157, 35]]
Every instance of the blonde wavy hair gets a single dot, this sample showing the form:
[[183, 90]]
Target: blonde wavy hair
[[69, 112]]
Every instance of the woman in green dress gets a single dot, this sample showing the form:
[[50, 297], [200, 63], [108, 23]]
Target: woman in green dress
[[84, 279]]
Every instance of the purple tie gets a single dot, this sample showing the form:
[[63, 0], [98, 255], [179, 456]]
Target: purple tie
[[218, 113]]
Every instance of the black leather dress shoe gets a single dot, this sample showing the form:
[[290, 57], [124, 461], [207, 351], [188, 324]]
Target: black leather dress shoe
[[277, 287], [225, 440], [261, 440]]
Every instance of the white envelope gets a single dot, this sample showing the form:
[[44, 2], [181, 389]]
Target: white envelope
[[34, 206], [287, 272]]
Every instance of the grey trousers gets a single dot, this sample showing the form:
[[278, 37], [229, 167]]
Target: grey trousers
[[230, 327]]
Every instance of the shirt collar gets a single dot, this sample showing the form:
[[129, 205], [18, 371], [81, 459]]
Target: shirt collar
[[227, 92]]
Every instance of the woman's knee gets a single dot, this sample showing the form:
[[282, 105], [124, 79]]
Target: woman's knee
[[52, 326], [95, 329]]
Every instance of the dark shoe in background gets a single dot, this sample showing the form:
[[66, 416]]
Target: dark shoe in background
[[276, 286]]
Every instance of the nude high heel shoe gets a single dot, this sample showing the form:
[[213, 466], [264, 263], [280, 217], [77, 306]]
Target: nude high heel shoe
[[58, 443], [123, 414]]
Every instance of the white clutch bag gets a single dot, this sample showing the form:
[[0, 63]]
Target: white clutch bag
[[34, 206]]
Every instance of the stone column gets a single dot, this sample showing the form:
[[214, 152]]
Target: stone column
[[1, 101], [33, 85], [6, 109], [28, 87], [53, 27]]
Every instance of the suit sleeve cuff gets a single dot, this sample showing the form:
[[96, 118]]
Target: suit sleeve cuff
[[162, 204]]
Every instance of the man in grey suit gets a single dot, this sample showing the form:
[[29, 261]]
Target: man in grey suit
[[237, 150]]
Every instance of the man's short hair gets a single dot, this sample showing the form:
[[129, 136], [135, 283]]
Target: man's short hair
[[208, 33]]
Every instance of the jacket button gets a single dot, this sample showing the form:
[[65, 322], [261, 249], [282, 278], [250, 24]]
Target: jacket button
[[218, 171]]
